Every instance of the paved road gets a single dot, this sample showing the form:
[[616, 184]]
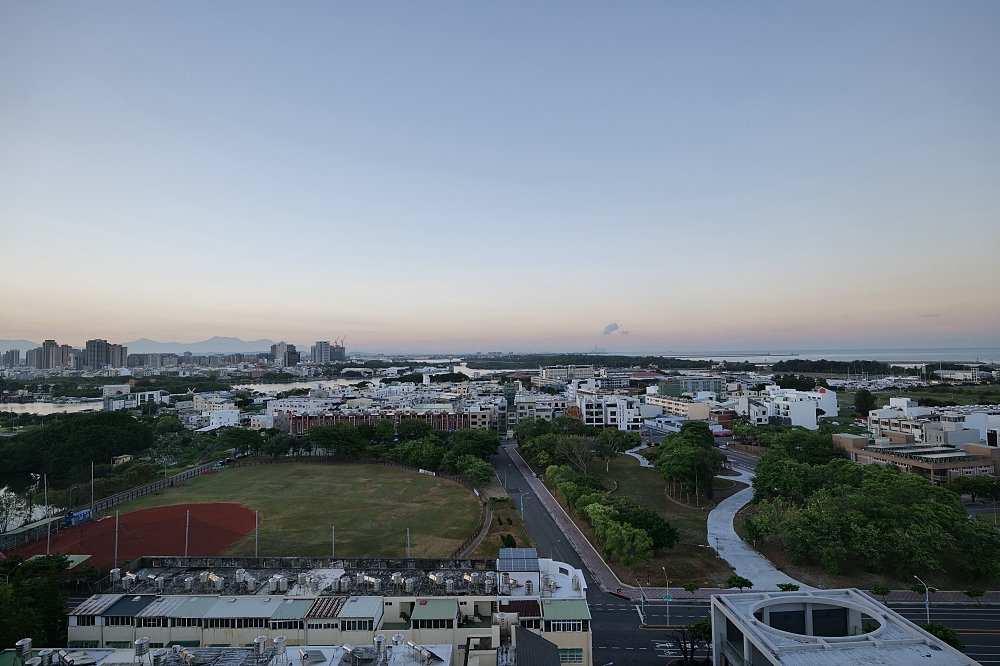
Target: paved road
[[616, 633]]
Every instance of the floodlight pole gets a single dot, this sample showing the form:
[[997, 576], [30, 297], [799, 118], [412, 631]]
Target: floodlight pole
[[256, 524], [407, 541], [187, 528], [116, 539], [333, 541], [668, 594]]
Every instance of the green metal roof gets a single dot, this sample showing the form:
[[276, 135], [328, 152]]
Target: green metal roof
[[193, 607], [565, 609], [435, 609], [361, 608], [292, 609]]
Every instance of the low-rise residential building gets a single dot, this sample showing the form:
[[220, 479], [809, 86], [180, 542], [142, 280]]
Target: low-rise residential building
[[937, 463], [685, 408], [135, 400], [469, 606]]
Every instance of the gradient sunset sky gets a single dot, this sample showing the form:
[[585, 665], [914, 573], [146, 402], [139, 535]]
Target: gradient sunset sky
[[434, 176]]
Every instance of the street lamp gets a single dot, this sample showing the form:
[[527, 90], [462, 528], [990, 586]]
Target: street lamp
[[927, 598], [10, 573], [667, 595], [642, 601]]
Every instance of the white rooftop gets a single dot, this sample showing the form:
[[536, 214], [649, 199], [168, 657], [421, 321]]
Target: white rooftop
[[896, 641]]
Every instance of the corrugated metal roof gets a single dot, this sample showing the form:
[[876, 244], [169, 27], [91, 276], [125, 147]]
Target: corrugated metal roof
[[326, 607], [362, 607], [565, 609], [161, 607], [435, 609], [129, 606], [244, 607], [194, 606], [292, 609], [96, 605]]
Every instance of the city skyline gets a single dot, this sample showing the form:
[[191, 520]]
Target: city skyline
[[447, 178]]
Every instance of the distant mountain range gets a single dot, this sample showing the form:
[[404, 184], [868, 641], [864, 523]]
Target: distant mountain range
[[23, 345], [213, 345]]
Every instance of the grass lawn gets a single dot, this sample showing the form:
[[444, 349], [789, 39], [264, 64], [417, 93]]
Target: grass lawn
[[503, 512], [691, 560], [371, 507]]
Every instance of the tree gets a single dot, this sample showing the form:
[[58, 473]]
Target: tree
[[738, 581], [385, 432], [578, 451], [880, 591], [864, 402], [946, 634], [691, 587], [788, 587], [168, 423], [475, 469], [687, 639], [611, 442], [410, 429], [963, 485], [279, 445], [339, 439], [974, 593]]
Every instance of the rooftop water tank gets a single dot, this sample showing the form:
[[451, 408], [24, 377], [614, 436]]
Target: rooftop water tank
[[279, 645], [379, 643], [159, 657], [141, 646], [46, 656], [449, 586], [260, 645]]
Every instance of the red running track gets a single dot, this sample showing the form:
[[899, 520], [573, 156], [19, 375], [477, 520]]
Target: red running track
[[156, 531]]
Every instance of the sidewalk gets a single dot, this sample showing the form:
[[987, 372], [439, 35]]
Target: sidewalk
[[744, 560], [642, 461]]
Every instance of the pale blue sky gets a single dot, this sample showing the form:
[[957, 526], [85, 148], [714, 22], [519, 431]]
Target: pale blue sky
[[473, 176]]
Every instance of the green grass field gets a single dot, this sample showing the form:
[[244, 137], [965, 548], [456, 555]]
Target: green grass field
[[371, 507]]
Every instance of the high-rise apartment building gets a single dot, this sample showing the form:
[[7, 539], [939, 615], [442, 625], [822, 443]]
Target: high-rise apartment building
[[99, 354], [96, 354], [11, 358], [320, 352], [51, 355]]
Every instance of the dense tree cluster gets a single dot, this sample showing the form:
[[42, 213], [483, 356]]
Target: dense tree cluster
[[566, 440], [689, 458], [68, 445], [622, 526], [799, 382], [822, 508], [836, 367], [31, 605]]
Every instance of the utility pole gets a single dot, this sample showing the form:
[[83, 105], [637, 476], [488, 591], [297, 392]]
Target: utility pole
[[407, 541], [116, 539], [91, 489], [333, 541], [256, 528], [187, 528]]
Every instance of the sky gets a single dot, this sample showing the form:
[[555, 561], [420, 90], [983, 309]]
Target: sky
[[502, 176]]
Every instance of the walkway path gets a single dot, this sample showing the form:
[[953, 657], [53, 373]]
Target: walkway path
[[745, 561], [642, 461]]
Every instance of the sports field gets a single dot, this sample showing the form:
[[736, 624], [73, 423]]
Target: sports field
[[371, 507]]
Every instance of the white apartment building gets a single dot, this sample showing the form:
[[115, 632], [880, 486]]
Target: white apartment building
[[609, 410], [685, 408], [222, 418]]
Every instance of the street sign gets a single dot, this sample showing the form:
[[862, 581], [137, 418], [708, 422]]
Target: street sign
[[668, 597]]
